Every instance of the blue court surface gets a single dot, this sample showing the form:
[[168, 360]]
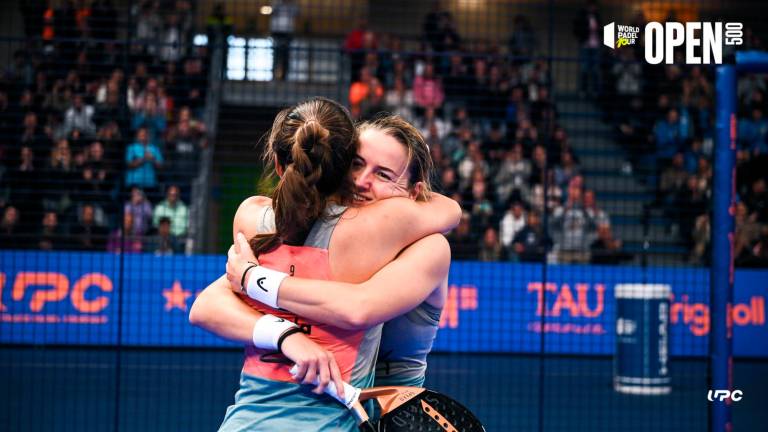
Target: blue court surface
[[65, 389]]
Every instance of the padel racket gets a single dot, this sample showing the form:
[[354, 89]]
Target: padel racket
[[417, 409], [405, 409]]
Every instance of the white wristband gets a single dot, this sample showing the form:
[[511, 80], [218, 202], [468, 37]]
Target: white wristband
[[351, 393], [268, 329], [264, 284]]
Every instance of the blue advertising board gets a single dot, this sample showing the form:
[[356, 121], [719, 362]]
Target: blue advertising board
[[144, 300]]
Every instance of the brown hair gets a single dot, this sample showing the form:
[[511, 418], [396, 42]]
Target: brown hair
[[314, 143], [420, 165]]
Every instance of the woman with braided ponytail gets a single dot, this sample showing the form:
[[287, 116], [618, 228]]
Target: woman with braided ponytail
[[316, 236]]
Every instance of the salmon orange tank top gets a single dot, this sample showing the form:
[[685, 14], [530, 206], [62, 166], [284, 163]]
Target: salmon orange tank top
[[355, 350]]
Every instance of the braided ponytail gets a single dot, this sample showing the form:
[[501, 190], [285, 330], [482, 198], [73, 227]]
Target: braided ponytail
[[314, 143]]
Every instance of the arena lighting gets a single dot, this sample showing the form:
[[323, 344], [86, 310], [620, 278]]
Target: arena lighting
[[200, 40], [472, 4], [266, 10]]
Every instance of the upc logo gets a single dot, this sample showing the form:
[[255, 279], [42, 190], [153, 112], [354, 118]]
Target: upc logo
[[703, 41], [722, 395]]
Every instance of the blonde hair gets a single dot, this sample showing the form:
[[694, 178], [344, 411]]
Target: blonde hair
[[420, 165]]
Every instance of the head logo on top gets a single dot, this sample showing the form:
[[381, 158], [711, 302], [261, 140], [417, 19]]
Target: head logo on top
[[703, 41]]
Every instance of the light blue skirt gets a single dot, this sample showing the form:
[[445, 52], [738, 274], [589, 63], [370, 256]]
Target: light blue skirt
[[276, 406]]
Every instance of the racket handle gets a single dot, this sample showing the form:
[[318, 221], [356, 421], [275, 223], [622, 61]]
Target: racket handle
[[351, 393]]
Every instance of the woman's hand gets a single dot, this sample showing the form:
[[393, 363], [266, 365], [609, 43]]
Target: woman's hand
[[314, 363], [239, 258]]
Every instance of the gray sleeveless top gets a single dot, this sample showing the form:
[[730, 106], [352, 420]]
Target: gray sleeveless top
[[320, 237], [405, 343]]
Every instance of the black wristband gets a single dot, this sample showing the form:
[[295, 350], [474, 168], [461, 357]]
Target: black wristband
[[242, 279], [285, 334]]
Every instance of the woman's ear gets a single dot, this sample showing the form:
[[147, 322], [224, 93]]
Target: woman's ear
[[416, 191], [278, 169]]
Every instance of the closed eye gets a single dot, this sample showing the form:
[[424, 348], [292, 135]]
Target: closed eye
[[385, 175]]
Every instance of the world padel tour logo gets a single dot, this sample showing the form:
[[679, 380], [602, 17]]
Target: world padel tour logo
[[703, 41], [617, 36]]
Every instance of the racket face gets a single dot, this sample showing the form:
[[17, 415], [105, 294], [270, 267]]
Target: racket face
[[430, 412]]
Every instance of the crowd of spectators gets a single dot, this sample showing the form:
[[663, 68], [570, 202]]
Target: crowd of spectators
[[487, 114], [664, 117], [100, 138]]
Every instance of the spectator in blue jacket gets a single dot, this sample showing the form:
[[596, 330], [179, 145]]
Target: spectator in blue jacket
[[693, 154], [670, 134], [143, 159], [753, 132], [151, 117]]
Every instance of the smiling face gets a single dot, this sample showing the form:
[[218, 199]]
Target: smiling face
[[380, 169]]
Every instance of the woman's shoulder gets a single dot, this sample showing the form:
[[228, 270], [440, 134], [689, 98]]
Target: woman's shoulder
[[255, 201], [254, 216]]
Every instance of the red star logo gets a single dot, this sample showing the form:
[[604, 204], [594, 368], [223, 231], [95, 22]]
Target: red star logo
[[176, 297]]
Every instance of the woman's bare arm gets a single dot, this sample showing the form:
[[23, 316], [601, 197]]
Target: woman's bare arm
[[222, 312], [395, 289], [217, 308]]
